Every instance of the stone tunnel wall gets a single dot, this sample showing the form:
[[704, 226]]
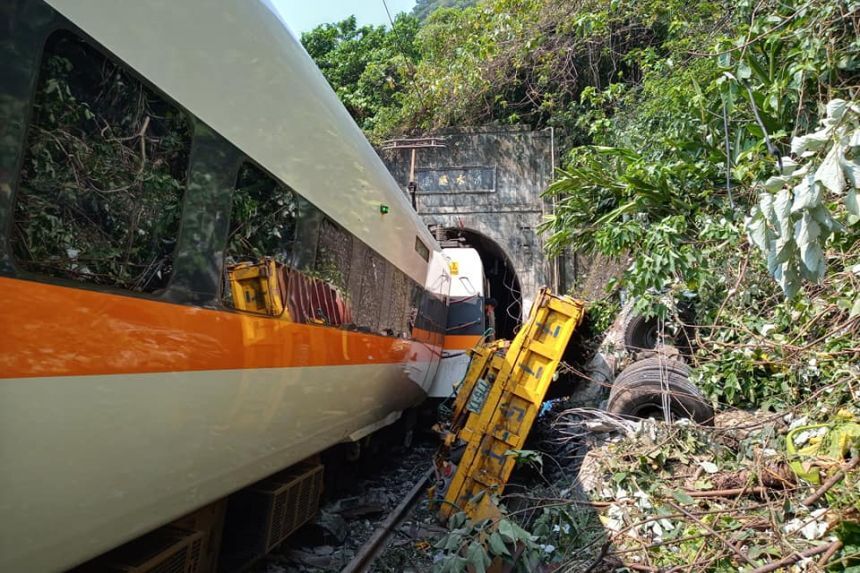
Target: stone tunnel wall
[[489, 181]]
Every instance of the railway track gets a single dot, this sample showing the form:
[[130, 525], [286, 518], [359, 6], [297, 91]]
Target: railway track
[[378, 541]]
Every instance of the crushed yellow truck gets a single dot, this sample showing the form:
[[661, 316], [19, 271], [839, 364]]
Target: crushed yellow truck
[[496, 405]]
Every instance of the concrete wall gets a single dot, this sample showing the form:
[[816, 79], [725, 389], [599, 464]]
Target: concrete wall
[[488, 180]]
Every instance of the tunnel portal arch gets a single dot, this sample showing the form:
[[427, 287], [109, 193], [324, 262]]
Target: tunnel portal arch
[[500, 275], [485, 184]]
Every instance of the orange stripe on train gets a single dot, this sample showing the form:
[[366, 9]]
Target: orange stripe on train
[[461, 341], [51, 330]]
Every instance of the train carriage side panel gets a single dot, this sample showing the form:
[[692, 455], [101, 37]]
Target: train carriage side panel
[[127, 401]]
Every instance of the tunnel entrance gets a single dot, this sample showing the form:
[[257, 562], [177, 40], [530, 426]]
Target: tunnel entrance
[[502, 281]]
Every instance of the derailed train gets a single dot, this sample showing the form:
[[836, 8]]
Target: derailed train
[[150, 153]]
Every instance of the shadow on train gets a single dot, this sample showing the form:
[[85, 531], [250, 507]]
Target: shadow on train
[[504, 285]]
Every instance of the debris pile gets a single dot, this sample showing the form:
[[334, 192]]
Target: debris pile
[[683, 497], [650, 496]]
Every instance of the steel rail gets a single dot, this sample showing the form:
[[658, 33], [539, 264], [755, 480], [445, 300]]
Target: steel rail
[[378, 541]]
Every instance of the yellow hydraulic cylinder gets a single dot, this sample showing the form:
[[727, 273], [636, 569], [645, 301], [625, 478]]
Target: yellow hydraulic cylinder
[[498, 402]]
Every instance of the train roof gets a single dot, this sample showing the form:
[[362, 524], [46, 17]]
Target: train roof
[[237, 67]]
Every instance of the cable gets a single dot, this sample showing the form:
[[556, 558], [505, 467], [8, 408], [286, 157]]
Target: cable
[[409, 63]]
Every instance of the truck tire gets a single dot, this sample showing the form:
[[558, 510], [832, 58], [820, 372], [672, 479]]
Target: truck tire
[[641, 333], [638, 392]]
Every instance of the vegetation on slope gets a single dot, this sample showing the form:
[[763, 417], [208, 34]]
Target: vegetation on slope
[[716, 148]]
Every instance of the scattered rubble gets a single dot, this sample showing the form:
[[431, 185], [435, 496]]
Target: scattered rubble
[[346, 522]]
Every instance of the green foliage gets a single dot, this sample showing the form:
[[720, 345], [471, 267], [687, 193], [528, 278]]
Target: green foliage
[[103, 178], [423, 8], [473, 545], [369, 66], [264, 218], [527, 457], [791, 223], [600, 314], [710, 131]]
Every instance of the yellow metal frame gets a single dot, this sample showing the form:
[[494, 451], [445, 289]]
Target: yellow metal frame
[[499, 400], [255, 288]]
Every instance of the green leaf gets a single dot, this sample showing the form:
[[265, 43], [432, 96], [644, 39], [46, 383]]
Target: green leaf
[[757, 231], [477, 557], [782, 212], [453, 542], [497, 545], [454, 564], [810, 143], [851, 202], [806, 194], [822, 217], [506, 530], [789, 166], [836, 108], [851, 168], [683, 497], [830, 173], [774, 184], [709, 467], [806, 235], [765, 205], [457, 520]]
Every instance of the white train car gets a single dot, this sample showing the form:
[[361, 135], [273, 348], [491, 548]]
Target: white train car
[[147, 149], [466, 321]]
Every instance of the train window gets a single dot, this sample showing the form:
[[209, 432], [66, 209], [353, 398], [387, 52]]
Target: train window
[[104, 172], [422, 249], [334, 255], [262, 228], [368, 298], [263, 218]]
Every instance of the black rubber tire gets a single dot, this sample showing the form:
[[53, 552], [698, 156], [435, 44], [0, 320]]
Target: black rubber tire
[[638, 392], [641, 333]]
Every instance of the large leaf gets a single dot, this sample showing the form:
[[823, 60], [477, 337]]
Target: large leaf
[[788, 279], [808, 144], [825, 220], [497, 545], [774, 184], [836, 108], [851, 168], [765, 205], [477, 557], [806, 194], [506, 530], [788, 166], [806, 235], [782, 212], [851, 202], [830, 173], [757, 230]]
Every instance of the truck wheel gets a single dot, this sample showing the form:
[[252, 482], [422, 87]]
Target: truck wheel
[[639, 390], [641, 333]]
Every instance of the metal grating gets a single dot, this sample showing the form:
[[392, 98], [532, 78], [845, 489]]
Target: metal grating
[[165, 550], [176, 563], [294, 501]]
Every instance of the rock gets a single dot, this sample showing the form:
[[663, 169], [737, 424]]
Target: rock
[[600, 372], [327, 529], [309, 559]]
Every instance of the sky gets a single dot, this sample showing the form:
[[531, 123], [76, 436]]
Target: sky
[[305, 15]]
